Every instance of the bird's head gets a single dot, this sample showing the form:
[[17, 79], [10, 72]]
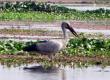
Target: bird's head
[[66, 25]]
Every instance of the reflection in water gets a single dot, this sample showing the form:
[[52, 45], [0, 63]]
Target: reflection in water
[[63, 74], [90, 73], [41, 69]]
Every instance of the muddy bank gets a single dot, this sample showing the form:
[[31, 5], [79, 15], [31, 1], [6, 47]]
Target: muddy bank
[[59, 60]]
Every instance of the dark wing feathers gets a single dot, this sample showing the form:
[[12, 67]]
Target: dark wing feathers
[[29, 48], [32, 46]]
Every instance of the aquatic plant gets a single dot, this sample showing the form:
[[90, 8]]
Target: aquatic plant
[[10, 47], [31, 6], [88, 46]]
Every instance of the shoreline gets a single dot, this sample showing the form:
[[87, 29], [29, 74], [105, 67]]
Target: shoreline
[[58, 60]]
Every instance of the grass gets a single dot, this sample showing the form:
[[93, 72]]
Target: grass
[[46, 17]]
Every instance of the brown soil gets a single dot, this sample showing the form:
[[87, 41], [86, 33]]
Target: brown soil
[[59, 59]]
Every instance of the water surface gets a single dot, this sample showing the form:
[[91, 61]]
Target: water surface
[[89, 73], [84, 7]]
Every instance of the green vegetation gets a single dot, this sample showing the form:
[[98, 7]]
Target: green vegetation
[[44, 16], [13, 47], [31, 11], [32, 6], [10, 47], [88, 47]]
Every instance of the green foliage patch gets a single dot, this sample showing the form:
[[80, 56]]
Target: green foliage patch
[[87, 47]]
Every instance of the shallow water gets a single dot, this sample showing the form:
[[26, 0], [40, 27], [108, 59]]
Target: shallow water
[[89, 73], [84, 7]]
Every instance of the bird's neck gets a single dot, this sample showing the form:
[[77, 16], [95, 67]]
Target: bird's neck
[[65, 35], [65, 41]]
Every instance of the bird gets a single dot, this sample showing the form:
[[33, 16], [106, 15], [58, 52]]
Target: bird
[[51, 47]]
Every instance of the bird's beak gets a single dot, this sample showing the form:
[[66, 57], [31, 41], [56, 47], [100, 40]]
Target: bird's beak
[[72, 30]]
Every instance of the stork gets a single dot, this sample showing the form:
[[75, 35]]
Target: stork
[[51, 47]]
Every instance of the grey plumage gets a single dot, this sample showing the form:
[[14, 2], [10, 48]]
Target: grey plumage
[[51, 47]]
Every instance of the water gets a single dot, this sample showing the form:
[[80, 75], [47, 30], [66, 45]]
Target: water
[[84, 7], [89, 73]]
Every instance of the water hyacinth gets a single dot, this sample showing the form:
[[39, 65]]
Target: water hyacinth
[[85, 46], [10, 47], [31, 6]]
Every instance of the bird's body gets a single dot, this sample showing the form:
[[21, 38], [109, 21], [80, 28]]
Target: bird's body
[[51, 47]]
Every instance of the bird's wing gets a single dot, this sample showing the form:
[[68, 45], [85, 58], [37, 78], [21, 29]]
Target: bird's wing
[[43, 47], [42, 41], [32, 46], [48, 47]]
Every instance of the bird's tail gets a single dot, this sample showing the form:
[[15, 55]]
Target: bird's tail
[[30, 48]]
